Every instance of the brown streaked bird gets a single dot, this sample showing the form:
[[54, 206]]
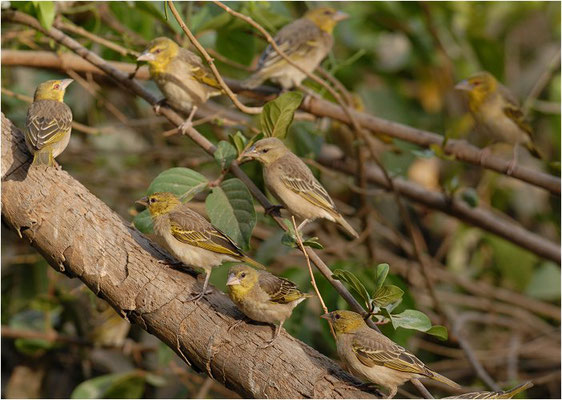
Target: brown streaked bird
[[190, 237], [292, 182], [373, 357], [181, 76], [48, 123], [306, 41], [507, 394], [263, 297], [496, 111]]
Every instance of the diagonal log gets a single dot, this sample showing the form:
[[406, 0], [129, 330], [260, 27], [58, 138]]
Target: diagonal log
[[82, 237]]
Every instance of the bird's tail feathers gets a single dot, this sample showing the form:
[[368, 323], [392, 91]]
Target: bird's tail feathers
[[43, 158], [253, 81], [441, 378], [534, 151], [252, 262], [345, 225], [518, 389]]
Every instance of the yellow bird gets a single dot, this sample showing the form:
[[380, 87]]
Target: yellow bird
[[373, 357], [190, 237], [306, 41], [496, 110], [48, 123], [181, 76]]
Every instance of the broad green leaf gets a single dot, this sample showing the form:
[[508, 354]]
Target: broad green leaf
[[439, 331], [354, 283], [239, 141], [411, 319], [277, 115], [143, 222], [231, 209], [178, 181], [386, 295], [381, 273], [128, 385], [224, 154], [34, 321], [545, 283], [289, 240], [45, 13], [236, 44], [313, 243]]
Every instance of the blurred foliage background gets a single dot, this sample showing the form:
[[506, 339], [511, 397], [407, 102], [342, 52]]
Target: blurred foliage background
[[401, 59]]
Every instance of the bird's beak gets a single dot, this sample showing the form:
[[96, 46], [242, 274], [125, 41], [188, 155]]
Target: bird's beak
[[65, 82], [143, 201], [250, 153], [146, 56], [327, 316], [232, 280], [340, 16], [463, 85]]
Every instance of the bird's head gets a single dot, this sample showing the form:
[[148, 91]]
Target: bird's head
[[478, 87], [344, 321], [159, 203], [266, 150], [241, 279], [326, 18], [52, 90], [159, 52]]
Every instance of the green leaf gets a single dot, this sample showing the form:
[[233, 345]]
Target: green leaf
[[289, 240], [439, 331], [470, 197], [179, 181], [313, 243], [380, 275], [143, 222], [386, 295], [354, 283], [128, 385], [231, 209], [236, 44], [45, 13], [411, 319], [277, 115], [239, 140], [545, 283], [224, 154]]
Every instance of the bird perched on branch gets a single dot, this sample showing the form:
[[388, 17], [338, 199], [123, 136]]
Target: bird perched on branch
[[292, 182], [181, 76], [496, 110], [507, 394], [306, 41], [262, 296], [48, 122], [375, 358], [190, 237]]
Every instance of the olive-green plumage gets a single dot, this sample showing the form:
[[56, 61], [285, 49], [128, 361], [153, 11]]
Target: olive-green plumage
[[375, 358], [306, 41], [507, 394], [292, 182], [262, 296], [496, 111], [190, 237], [180, 75], [48, 123]]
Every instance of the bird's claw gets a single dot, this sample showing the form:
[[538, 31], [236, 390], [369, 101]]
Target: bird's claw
[[274, 210], [185, 126], [199, 296], [157, 106]]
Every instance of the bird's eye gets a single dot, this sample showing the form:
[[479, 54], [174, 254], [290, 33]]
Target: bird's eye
[[476, 83], [265, 151], [243, 275], [337, 316], [152, 200], [327, 12], [56, 86], [157, 51]]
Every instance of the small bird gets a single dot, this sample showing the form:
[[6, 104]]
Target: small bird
[[508, 394], [180, 74], [48, 122], [292, 182], [496, 110], [375, 358], [262, 296], [190, 237], [306, 41]]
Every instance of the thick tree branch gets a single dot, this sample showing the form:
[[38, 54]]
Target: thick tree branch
[[80, 236]]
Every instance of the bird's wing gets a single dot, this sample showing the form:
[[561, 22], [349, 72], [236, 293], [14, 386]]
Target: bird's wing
[[200, 71], [189, 227], [296, 40], [47, 121], [372, 351], [298, 178], [278, 289], [513, 111]]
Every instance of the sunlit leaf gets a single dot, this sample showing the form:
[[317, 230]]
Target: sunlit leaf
[[438, 331], [381, 273], [355, 284], [224, 154], [411, 319], [386, 295], [278, 114]]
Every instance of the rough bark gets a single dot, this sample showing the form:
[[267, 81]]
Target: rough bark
[[81, 236]]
